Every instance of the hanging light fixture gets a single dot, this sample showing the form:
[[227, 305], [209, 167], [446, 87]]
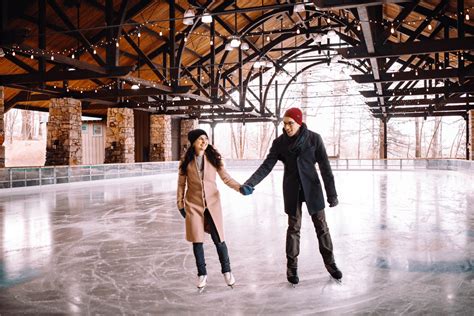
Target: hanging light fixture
[[206, 18], [228, 47], [244, 46], [189, 17], [135, 86], [235, 42]]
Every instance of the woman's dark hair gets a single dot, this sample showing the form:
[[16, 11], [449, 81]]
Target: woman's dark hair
[[211, 153]]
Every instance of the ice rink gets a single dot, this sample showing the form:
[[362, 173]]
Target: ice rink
[[403, 239]]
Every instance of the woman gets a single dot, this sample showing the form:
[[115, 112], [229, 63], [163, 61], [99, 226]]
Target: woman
[[199, 201]]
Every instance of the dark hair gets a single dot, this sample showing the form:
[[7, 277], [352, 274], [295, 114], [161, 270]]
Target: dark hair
[[211, 153]]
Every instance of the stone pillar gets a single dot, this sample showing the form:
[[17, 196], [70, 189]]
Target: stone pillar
[[160, 137], [186, 126], [2, 128], [120, 136], [471, 131], [64, 144]]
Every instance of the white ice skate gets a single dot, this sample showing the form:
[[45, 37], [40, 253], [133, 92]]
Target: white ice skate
[[229, 279], [202, 282]]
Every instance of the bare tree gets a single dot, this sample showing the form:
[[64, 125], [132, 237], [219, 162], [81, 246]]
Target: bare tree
[[10, 120], [27, 125], [360, 131], [459, 143], [238, 139], [266, 133], [418, 132], [434, 141]]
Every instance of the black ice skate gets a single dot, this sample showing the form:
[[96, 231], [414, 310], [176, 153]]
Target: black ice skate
[[334, 271], [292, 276]]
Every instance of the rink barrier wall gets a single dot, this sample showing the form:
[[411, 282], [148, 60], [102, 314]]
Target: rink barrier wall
[[38, 176]]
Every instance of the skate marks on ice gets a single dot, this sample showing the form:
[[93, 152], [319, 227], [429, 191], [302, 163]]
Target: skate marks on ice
[[119, 249]]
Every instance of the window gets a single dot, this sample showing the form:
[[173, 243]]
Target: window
[[84, 128], [97, 130]]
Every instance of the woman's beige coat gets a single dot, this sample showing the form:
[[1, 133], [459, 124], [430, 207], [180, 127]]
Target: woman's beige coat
[[192, 192]]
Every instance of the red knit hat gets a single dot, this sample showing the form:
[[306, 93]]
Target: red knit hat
[[295, 114]]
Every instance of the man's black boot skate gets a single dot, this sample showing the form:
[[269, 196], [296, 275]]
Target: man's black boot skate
[[292, 275], [334, 271]]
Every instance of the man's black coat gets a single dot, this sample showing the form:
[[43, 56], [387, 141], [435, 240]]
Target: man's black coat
[[307, 149]]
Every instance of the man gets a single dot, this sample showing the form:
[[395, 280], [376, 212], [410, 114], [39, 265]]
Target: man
[[300, 149]]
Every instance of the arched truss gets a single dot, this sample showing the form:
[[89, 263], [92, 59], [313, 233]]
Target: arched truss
[[112, 71], [280, 64]]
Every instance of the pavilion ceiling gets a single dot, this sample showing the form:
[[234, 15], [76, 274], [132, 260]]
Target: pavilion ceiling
[[417, 54]]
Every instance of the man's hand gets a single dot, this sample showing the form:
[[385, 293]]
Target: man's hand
[[246, 189], [333, 201], [183, 212]]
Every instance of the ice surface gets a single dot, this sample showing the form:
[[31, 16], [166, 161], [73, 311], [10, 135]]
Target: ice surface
[[403, 239]]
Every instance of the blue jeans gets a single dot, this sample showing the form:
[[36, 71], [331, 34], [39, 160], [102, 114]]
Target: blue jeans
[[221, 248]]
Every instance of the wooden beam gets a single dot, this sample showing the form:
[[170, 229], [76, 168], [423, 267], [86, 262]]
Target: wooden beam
[[63, 16], [151, 84], [38, 77], [422, 102], [346, 4], [419, 91], [200, 111], [112, 93], [411, 48], [425, 114], [409, 76], [54, 58], [427, 109]]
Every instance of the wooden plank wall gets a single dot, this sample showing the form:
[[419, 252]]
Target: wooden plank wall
[[142, 135], [93, 144]]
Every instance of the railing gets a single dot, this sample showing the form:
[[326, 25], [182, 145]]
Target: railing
[[38, 176]]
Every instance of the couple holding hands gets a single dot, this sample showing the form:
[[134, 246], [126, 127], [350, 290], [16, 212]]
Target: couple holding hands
[[199, 202]]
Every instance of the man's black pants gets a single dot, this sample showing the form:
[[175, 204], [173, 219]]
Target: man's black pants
[[293, 235]]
